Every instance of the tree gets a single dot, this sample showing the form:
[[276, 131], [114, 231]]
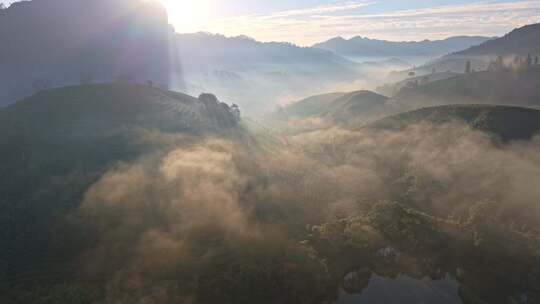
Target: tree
[[412, 84], [529, 60], [499, 63], [468, 67], [491, 66], [536, 60], [150, 83], [40, 85], [235, 110], [86, 77], [124, 79]]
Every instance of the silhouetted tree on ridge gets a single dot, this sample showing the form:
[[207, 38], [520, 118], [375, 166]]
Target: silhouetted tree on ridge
[[468, 67], [529, 61], [40, 85]]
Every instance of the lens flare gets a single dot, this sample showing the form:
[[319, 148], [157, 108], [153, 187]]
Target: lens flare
[[187, 16]]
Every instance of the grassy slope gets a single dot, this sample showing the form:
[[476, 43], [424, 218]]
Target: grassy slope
[[356, 104], [311, 106], [503, 87], [509, 123], [339, 107]]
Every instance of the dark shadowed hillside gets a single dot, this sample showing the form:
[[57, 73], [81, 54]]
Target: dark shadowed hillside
[[55, 144], [83, 42], [508, 123]]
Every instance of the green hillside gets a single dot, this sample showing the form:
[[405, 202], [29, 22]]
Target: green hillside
[[391, 89], [338, 107], [311, 106], [356, 105], [508, 87]]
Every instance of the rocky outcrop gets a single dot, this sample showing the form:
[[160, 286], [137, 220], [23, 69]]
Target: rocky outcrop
[[218, 113]]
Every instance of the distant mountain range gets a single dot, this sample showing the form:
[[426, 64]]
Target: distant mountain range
[[256, 74], [214, 50], [365, 47], [519, 42]]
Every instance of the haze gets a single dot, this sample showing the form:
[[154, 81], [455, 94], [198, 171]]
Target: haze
[[269, 152]]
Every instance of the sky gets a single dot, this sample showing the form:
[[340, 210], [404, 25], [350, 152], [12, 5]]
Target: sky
[[305, 22]]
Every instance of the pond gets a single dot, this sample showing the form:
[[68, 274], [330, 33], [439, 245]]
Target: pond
[[367, 287]]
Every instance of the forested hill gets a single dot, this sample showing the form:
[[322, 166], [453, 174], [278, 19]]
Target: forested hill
[[81, 41]]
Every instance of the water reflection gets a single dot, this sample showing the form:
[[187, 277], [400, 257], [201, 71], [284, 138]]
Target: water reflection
[[364, 286]]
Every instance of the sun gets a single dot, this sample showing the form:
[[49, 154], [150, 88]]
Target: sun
[[187, 15]]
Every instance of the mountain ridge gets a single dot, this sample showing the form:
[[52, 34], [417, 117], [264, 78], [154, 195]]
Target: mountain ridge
[[366, 47], [520, 41], [255, 74]]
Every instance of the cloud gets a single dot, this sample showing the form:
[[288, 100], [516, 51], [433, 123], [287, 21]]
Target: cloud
[[6, 2], [212, 217], [321, 9], [315, 24]]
